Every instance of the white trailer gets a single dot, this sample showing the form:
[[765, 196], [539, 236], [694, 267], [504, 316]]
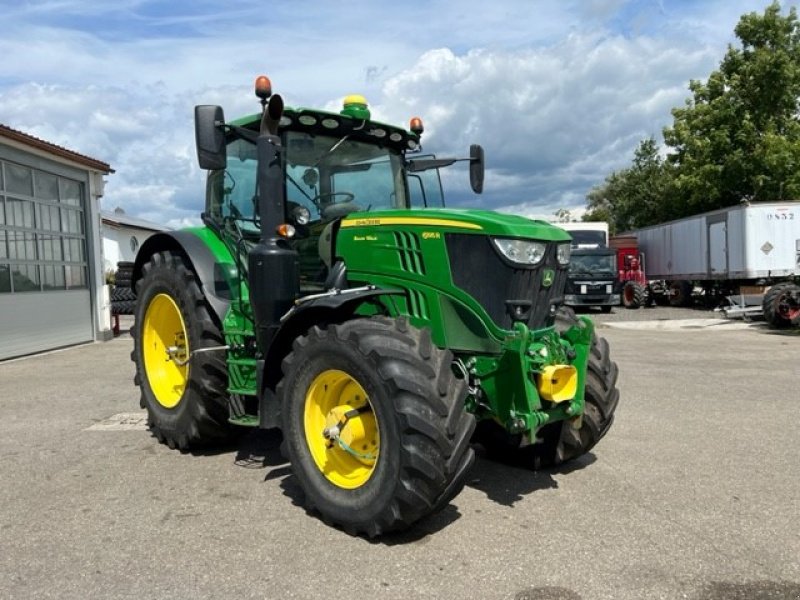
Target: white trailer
[[759, 241], [723, 250]]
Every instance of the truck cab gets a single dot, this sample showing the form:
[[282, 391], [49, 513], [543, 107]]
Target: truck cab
[[592, 279], [587, 234]]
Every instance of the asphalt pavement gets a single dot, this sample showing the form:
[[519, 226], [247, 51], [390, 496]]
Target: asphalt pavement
[[693, 493]]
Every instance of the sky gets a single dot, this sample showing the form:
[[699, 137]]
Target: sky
[[558, 92]]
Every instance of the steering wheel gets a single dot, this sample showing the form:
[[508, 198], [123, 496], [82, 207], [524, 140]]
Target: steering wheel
[[334, 210], [348, 197]]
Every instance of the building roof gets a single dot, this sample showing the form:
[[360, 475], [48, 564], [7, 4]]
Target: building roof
[[120, 218], [54, 149]]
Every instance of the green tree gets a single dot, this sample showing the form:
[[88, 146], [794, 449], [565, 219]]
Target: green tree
[[563, 215], [636, 196], [738, 137]]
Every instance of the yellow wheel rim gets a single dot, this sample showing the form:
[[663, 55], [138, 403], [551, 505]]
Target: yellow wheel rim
[[164, 345], [348, 459]]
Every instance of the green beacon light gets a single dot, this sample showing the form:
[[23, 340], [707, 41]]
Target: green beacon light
[[355, 106]]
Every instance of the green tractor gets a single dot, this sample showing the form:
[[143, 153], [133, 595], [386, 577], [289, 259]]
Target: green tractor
[[330, 294]]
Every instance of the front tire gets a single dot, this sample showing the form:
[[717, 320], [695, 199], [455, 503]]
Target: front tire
[[559, 442], [601, 396], [404, 451], [186, 404]]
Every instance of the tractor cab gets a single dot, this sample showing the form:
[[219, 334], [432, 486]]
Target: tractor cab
[[333, 165]]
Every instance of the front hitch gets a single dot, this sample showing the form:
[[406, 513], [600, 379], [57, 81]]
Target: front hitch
[[539, 378]]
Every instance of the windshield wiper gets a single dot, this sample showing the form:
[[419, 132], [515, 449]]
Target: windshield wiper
[[301, 190], [330, 150]]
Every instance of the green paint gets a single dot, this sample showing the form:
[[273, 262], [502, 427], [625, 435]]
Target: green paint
[[378, 254], [245, 420], [237, 325], [490, 223], [407, 250], [508, 381]]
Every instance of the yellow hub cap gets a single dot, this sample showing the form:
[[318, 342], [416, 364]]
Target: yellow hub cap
[[340, 429], [165, 346]]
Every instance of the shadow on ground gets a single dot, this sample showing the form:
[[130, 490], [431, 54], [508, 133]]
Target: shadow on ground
[[752, 590], [505, 483], [261, 449], [510, 481]]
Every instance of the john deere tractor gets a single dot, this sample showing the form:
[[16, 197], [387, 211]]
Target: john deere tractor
[[330, 294]]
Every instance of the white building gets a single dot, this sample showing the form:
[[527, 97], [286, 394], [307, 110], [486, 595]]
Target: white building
[[52, 290], [123, 236]]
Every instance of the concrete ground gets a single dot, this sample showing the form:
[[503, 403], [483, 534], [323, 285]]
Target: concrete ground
[[693, 493]]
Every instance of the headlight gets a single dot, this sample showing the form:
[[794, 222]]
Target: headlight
[[521, 251], [563, 253], [301, 215]]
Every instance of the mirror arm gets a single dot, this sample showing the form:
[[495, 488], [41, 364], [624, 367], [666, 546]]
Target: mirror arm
[[247, 134]]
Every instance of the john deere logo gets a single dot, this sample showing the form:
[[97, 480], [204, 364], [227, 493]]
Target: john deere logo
[[547, 277]]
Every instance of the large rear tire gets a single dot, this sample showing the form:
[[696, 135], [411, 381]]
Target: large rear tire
[[781, 305], [186, 404], [403, 452]]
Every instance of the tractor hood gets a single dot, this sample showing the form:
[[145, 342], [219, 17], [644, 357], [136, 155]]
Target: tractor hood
[[482, 222]]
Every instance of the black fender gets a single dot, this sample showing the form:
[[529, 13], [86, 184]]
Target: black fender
[[335, 306], [210, 272]]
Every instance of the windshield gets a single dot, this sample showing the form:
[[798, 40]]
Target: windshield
[[334, 176], [592, 264], [584, 237], [232, 192], [330, 176]]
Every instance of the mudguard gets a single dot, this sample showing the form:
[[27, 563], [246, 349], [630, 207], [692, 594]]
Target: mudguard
[[323, 309], [214, 268]]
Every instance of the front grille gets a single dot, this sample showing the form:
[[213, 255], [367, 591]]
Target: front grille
[[478, 269]]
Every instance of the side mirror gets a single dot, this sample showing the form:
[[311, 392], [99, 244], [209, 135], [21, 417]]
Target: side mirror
[[476, 168], [209, 136]]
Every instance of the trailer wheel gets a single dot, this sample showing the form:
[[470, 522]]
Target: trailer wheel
[[680, 293], [781, 305], [374, 424], [632, 295], [186, 403]]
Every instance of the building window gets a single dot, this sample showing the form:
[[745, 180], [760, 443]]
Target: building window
[[134, 244], [42, 231]]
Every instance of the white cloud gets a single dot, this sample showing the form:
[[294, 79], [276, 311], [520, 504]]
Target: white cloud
[[553, 120], [559, 93]]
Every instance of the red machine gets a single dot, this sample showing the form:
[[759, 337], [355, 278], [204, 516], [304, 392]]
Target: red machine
[[631, 271]]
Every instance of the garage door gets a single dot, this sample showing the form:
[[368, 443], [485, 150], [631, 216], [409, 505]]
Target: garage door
[[44, 280]]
